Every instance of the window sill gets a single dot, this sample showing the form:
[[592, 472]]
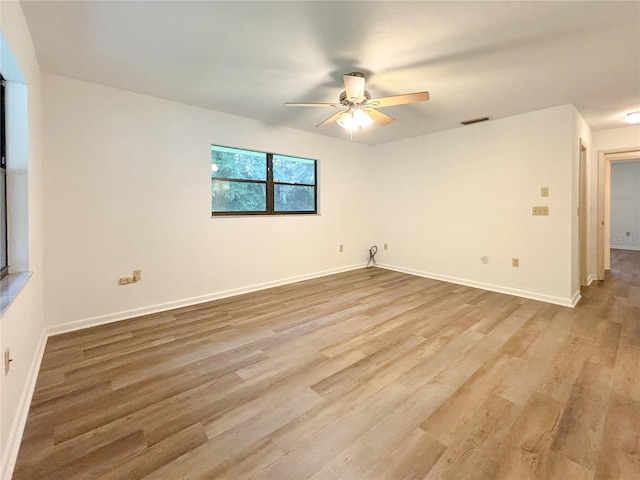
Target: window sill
[[10, 287], [263, 215]]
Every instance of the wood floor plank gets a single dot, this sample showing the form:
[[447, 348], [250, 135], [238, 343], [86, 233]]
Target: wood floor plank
[[360, 375], [383, 438], [478, 453], [445, 423], [158, 421], [272, 417], [157, 455], [579, 434], [307, 457], [528, 455], [411, 460], [96, 462], [249, 462], [117, 405], [562, 372], [620, 453], [626, 374], [532, 365]]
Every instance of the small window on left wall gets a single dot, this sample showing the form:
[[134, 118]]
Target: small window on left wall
[[247, 182]]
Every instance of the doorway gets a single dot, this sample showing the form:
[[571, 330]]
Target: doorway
[[605, 160]]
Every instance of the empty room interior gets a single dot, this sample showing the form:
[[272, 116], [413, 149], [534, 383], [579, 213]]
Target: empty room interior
[[320, 240]]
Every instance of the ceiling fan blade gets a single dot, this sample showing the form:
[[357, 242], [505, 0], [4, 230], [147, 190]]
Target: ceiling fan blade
[[354, 86], [331, 119], [379, 117], [399, 99], [293, 104]]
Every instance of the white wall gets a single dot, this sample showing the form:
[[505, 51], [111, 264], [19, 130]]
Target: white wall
[[128, 187], [617, 138], [447, 199], [22, 324], [625, 205]]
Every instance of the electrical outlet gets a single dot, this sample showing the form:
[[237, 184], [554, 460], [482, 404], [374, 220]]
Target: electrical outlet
[[386, 247], [515, 262], [7, 361], [341, 248], [540, 211], [544, 192], [137, 276]]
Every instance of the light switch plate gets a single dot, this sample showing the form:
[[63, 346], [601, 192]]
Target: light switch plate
[[540, 211]]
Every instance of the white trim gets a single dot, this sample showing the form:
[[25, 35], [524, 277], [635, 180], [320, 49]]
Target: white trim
[[591, 278], [565, 302], [575, 299], [12, 285], [20, 420], [625, 247], [162, 307]]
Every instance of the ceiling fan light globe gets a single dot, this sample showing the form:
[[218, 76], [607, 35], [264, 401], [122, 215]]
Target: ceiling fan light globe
[[347, 122], [633, 117], [355, 120]]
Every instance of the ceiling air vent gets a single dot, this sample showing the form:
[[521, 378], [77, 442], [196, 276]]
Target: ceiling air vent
[[476, 120]]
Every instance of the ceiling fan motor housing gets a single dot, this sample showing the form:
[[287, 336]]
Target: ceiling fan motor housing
[[345, 101]]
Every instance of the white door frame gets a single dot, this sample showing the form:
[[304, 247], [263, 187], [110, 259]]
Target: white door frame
[[605, 157], [582, 214]]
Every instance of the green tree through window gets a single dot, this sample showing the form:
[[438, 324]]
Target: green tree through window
[[258, 183]]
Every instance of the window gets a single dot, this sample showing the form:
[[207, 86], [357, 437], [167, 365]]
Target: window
[[245, 182], [4, 253]]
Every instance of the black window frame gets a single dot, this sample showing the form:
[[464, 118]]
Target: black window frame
[[270, 186], [4, 265]]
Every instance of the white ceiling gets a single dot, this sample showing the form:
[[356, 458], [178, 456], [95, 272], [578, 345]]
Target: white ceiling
[[477, 59]]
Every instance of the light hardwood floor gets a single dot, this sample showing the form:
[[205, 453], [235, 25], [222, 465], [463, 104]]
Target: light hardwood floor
[[362, 375]]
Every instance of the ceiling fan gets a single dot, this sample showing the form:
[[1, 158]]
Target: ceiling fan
[[358, 109]]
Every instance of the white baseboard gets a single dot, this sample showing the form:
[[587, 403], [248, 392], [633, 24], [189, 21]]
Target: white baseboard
[[20, 420], [575, 299], [591, 278], [565, 302], [137, 312]]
